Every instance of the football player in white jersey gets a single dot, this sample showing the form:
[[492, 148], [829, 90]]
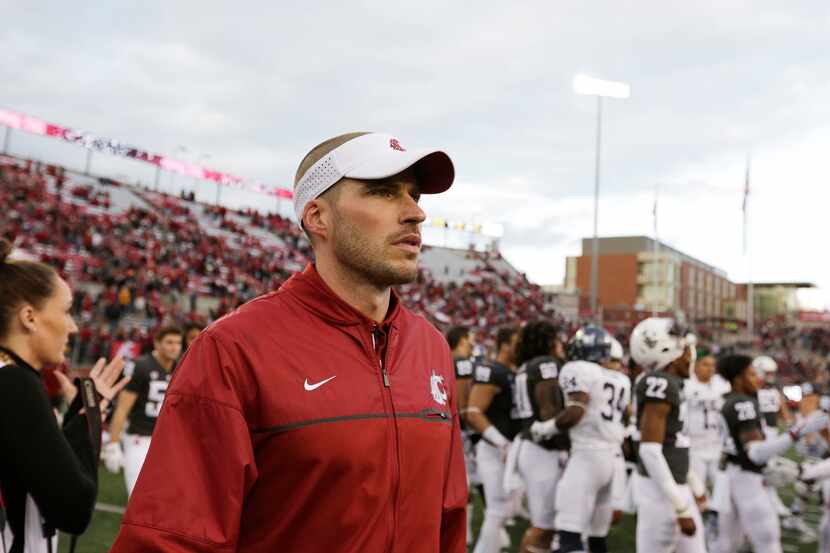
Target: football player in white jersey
[[596, 399], [704, 399], [773, 408]]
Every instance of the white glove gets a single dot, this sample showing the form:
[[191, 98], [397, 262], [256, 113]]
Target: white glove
[[112, 456], [541, 431], [805, 490], [815, 421], [780, 471]]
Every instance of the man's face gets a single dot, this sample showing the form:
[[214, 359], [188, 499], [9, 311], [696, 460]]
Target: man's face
[[375, 230], [752, 380], [169, 347], [705, 368], [683, 363]]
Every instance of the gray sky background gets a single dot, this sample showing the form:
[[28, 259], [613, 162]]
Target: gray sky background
[[255, 85]]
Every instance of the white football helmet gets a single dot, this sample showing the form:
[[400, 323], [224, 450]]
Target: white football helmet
[[617, 352], [764, 364], [656, 342]]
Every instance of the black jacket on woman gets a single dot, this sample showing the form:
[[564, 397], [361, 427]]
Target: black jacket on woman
[[56, 466]]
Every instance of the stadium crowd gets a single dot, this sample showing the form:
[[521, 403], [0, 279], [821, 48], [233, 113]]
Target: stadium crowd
[[155, 261]]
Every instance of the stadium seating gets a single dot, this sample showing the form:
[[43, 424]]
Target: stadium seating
[[137, 257]]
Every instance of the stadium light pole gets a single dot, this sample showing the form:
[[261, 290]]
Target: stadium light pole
[[589, 86]]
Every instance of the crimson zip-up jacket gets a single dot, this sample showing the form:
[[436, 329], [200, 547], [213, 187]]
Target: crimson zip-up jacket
[[297, 424]]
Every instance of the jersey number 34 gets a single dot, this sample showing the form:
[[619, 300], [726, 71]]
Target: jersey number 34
[[615, 407]]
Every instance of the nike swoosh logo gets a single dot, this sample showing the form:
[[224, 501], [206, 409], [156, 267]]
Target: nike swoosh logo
[[309, 387]]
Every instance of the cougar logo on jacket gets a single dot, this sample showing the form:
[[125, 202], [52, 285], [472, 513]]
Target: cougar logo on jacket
[[439, 392]]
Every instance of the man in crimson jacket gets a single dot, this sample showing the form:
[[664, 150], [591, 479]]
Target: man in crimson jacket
[[321, 417]]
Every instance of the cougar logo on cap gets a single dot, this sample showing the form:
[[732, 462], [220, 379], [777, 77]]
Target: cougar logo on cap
[[395, 145]]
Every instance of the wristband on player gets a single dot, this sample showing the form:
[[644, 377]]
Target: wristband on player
[[496, 438]]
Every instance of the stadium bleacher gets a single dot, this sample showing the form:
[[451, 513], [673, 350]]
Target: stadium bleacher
[[137, 257]]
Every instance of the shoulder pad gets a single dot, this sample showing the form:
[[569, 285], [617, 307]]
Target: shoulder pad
[[548, 366], [483, 373], [464, 367]]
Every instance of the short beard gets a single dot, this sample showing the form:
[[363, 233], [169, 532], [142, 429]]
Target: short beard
[[355, 252]]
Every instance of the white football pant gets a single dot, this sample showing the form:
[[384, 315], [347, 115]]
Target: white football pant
[[540, 469], [135, 451], [585, 492], [657, 528], [491, 471], [705, 466], [750, 514]]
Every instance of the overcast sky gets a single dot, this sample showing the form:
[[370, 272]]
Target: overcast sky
[[256, 85]]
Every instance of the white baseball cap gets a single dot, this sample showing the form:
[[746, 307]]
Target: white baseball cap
[[373, 156]]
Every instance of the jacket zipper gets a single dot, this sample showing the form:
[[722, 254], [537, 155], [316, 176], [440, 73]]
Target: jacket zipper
[[387, 385], [383, 372]]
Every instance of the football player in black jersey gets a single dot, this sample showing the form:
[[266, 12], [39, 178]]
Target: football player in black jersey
[[489, 413], [538, 397], [139, 404], [748, 450], [665, 497], [461, 344]]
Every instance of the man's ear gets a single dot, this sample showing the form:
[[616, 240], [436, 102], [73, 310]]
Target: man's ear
[[26, 317], [316, 218]]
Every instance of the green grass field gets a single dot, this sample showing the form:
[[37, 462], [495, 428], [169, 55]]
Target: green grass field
[[101, 533]]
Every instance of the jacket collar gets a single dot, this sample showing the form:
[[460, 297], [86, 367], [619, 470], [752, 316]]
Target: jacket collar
[[310, 289], [7, 356]]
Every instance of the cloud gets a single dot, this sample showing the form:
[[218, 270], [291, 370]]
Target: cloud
[[257, 87]]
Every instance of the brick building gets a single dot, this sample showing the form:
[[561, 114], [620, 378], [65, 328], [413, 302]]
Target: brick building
[[637, 276]]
